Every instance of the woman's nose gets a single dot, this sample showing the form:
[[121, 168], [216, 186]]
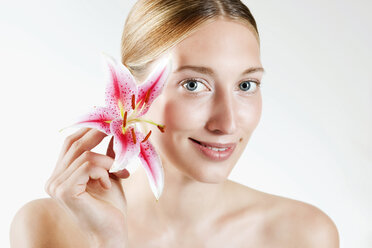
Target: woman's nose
[[222, 115]]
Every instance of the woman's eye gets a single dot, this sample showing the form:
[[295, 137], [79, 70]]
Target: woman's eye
[[194, 85], [248, 86]]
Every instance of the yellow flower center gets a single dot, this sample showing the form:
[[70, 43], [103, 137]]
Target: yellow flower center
[[133, 117]]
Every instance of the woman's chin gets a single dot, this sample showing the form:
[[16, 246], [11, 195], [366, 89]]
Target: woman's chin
[[209, 176]]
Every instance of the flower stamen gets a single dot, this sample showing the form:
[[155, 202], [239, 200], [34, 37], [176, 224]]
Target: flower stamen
[[133, 102], [134, 112], [143, 120], [147, 96], [125, 119], [147, 136], [161, 128], [133, 136], [142, 107], [121, 107]]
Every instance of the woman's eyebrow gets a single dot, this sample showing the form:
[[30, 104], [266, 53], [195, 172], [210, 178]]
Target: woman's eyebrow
[[209, 71]]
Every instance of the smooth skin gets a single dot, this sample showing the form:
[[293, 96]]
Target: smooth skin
[[199, 206]]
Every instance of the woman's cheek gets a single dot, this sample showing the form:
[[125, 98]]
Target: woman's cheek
[[184, 114], [249, 112]]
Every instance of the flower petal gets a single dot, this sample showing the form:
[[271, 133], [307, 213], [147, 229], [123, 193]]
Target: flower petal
[[154, 84], [98, 118], [153, 166], [121, 86], [124, 147]]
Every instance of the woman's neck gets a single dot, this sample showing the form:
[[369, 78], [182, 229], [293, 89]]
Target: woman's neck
[[184, 201]]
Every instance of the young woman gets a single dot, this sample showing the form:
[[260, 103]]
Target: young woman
[[212, 98]]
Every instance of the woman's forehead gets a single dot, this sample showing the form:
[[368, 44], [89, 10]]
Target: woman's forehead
[[218, 42]]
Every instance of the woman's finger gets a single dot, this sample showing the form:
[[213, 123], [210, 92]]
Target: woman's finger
[[76, 184], [110, 149], [71, 139], [124, 173], [87, 142], [87, 156]]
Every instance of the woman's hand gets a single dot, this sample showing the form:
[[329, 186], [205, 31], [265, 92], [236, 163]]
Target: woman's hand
[[83, 186]]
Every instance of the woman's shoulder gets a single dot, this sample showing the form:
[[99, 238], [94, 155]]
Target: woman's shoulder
[[287, 220], [44, 223]]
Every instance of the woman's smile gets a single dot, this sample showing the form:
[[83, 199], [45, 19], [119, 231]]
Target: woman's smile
[[214, 151]]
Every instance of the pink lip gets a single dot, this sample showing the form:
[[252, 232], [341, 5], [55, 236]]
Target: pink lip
[[214, 155]]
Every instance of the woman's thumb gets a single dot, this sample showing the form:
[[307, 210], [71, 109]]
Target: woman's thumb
[[110, 149]]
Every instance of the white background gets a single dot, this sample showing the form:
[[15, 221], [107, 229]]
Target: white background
[[314, 141]]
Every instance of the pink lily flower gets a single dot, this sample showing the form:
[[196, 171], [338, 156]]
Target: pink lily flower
[[126, 103]]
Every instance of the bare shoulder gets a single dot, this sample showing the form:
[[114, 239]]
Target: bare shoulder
[[43, 223], [303, 224], [286, 222]]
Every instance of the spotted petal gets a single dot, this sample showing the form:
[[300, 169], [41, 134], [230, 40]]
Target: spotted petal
[[121, 86], [124, 147], [152, 164], [98, 118], [153, 84]]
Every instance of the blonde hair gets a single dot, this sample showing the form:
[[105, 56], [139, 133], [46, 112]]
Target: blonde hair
[[154, 26]]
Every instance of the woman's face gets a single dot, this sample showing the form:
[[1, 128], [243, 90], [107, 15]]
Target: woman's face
[[209, 97]]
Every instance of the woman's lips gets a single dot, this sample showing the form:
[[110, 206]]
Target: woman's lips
[[214, 151]]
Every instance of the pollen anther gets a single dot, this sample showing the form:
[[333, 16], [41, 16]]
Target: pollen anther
[[133, 136], [161, 128], [147, 136], [133, 102], [125, 119], [147, 97]]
